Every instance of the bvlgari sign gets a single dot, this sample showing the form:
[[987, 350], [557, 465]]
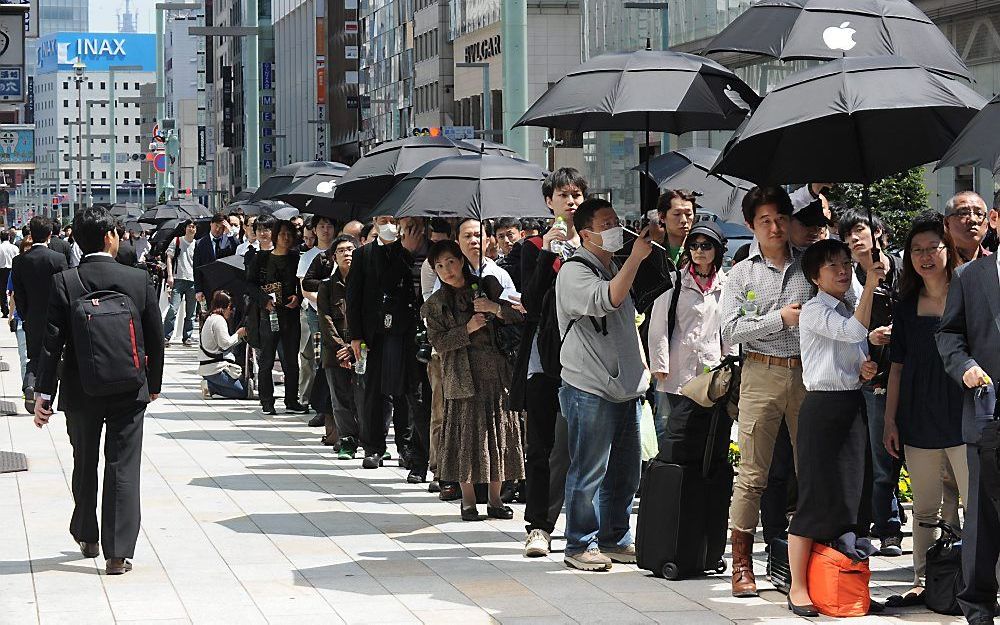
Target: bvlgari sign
[[482, 50]]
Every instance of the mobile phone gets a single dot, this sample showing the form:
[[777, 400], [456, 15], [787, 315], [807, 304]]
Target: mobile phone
[[46, 404]]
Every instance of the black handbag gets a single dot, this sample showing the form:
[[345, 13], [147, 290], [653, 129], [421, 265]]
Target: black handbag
[[944, 571]]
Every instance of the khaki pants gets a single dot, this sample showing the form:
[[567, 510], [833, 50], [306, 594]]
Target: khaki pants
[[434, 373], [926, 467], [768, 394]]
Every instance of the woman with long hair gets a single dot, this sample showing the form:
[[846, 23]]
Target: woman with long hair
[[217, 365], [480, 436], [277, 292], [923, 406]]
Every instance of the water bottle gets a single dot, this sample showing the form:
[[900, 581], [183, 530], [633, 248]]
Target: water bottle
[[362, 363], [273, 317], [317, 347], [555, 245], [750, 305]]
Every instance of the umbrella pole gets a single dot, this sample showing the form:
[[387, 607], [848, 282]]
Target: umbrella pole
[[643, 191], [867, 199]]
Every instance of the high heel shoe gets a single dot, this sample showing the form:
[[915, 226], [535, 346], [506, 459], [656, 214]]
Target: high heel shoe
[[808, 611]]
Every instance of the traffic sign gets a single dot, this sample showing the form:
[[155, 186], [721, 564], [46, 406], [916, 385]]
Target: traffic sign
[[160, 163]]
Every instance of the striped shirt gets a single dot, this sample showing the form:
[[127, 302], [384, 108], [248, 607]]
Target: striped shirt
[[834, 344], [774, 288]]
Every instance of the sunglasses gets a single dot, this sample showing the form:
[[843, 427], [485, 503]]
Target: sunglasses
[[703, 246]]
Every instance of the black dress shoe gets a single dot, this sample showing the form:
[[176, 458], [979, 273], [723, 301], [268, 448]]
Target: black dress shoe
[[404, 461], [267, 407], [117, 566], [318, 421], [808, 611], [297, 407], [434, 487], [416, 476], [501, 512], [90, 550], [449, 491], [470, 513], [373, 461]]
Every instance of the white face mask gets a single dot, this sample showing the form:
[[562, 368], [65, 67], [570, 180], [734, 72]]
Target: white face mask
[[388, 232], [612, 239], [234, 231]]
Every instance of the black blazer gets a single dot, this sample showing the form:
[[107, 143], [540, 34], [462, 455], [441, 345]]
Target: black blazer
[[204, 253], [32, 274], [375, 271], [969, 334], [126, 254], [62, 246], [98, 273]]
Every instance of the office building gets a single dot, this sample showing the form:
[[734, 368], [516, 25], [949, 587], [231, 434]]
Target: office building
[[184, 90], [300, 126], [386, 70]]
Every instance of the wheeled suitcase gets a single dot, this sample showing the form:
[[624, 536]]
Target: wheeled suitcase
[[778, 570]]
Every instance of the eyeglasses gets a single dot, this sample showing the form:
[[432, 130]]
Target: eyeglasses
[[927, 251], [703, 246], [845, 265], [965, 213]]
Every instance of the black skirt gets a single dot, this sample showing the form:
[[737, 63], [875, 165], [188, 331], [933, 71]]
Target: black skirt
[[831, 449]]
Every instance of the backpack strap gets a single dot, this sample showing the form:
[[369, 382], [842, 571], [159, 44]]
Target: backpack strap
[[78, 282], [602, 326], [672, 311]]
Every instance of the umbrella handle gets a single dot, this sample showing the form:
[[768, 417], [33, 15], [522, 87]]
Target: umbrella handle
[[636, 235]]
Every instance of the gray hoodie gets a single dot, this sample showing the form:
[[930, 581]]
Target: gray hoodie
[[612, 366]]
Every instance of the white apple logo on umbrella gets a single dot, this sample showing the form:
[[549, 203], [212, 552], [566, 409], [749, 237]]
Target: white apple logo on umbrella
[[326, 187], [839, 37]]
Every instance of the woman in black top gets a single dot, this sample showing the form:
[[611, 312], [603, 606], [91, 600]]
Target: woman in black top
[[277, 292], [923, 408]]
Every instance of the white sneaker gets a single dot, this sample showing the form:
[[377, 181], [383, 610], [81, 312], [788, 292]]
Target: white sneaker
[[589, 560], [205, 393], [624, 555], [190, 343], [538, 544]]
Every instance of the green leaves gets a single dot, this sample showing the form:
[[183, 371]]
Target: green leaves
[[896, 200]]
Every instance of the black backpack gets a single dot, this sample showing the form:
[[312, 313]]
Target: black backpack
[[107, 339], [549, 339]]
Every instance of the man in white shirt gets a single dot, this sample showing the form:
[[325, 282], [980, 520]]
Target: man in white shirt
[[7, 253], [180, 281], [471, 238], [324, 231]]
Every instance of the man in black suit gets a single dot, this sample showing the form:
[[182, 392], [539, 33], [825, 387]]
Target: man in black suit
[[218, 244], [32, 277], [126, 249], [969, 343], [382, 307], [58, 245], [86, 414]]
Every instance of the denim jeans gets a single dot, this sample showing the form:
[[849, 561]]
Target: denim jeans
[[224, 385], [604, 465], [181, 288], [885, 470]]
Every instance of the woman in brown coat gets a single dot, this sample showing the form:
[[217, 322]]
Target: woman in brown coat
[[480, 437]]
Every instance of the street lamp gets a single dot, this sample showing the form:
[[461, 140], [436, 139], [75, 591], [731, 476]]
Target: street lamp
[[79, 67], [487, 98]]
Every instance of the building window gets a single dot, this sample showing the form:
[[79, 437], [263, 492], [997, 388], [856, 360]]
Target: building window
[[90, 84], [137, 121], [65, 102], [104, 175], [104, 85], [65, 85], [125, 138], [125, 121], [65, 120]]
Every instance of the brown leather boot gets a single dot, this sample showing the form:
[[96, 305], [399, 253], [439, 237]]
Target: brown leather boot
[[744, 583]]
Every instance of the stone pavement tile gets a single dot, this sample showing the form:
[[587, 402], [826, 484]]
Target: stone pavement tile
[[153, 609], [323, 618], [603, 613], [500, 587], [697, 617], [380, 610], [530, 605], [208, 613], [534, 620], [463, 616], [170, 621], [284, 597], [663, 600], [80, 617]]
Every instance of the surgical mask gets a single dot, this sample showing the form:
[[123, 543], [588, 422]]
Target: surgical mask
[[612, 239], [234, 231], [388, 232]]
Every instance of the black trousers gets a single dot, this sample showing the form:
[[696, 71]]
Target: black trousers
[[288, 335], [319, 395], [419, 400], [119, 528], [542, 399], [780, 479], [378, 408], [4, 304], [980, 547]]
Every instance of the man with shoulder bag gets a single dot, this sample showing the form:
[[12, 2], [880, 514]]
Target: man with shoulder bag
[[104, 327]]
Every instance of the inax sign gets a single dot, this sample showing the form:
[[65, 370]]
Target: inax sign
[[98, 51]]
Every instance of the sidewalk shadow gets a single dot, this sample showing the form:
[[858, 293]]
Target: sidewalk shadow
[[55, 563]]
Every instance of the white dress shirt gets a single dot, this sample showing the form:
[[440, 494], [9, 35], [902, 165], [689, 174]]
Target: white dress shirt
[[833, 344], [7, 253], [490, 268]]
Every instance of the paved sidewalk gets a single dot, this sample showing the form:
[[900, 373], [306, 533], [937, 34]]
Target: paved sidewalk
[[247, 519]]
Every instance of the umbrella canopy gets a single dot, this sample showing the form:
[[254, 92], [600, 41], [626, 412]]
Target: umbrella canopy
[[135, 227], [316, 186], [490, 147], [125, 210], [285, 213], [689, 168], [644, 90], [478, 186], [856, 119], [371, 177], [977, 144], [226, 273], [244, 195], [281, 179], [830, 29]]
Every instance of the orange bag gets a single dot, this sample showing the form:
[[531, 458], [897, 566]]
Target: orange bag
[[838, 586]]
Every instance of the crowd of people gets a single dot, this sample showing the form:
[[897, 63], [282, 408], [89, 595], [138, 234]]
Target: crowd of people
[[513, 358]]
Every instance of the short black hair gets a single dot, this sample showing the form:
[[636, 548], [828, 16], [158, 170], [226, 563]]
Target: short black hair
[[440, 248], [220, 218], [90, 226], [531, 223], [759, 196], [278, 225], [264, 222], [507, 222], [331, 252], [4, 235], [440, 225], [40, 228], [318, 218], [851, 217], [56, 227], [663, 204], [564, 177], [821, 252], [367, 230], [583, 217]]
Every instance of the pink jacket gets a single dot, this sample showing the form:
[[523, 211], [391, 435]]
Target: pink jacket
[[697, 341]]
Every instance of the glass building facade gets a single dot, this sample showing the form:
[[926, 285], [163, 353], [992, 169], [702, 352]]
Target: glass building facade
[[386, 69]]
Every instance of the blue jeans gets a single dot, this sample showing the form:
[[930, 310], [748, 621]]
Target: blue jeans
[[224, 385], [885, 470], [604, 465], [185, 288]]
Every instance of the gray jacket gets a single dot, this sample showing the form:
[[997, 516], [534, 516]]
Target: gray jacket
[[612, 366]]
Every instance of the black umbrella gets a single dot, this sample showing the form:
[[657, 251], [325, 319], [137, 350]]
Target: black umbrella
[[478, 186], [371, 177], [856, 119], [174, 209], [135, 227], [830, 29], [126, 210], [688, 168], [286, 175], [172, 228], [306, 191], [977, 144], [226, 273], [490, 147], [244, 195], [285, 213]]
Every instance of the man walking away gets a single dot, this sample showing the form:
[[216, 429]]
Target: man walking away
[[7, 253], [91, 399], [604, 376]]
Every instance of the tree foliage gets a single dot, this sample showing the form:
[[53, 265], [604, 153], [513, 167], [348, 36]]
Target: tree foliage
[[896, 200]]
